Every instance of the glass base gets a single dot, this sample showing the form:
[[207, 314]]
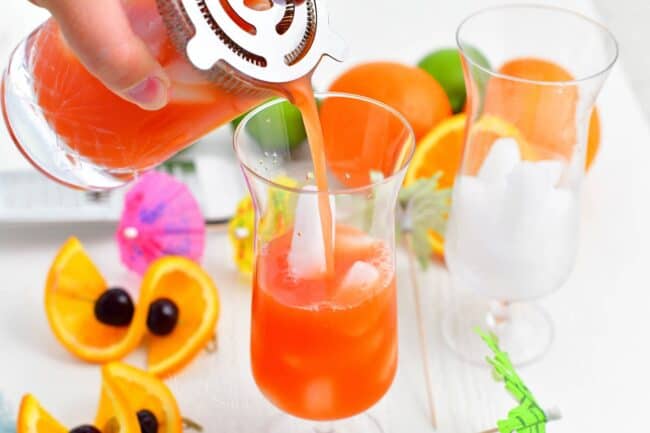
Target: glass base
[[364, 423], [525, 331]]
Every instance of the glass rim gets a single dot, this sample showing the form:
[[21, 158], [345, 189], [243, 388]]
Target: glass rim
[[606, 31], [312, 189]]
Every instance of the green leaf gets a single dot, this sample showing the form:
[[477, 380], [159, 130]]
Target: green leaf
[[505, 371], [424, 207], [174, 165], [528, 417], [279, 212], [524, 419], [375, 178]]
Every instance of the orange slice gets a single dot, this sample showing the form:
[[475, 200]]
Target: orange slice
[[73, 284], [593, 142], [32, 418], [115, 412], [546, 115], [484, 133], [437, 242], [142, 390], [441, 151], [192, 290]]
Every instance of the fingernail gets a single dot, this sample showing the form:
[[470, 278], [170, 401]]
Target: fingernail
[[150, 94]]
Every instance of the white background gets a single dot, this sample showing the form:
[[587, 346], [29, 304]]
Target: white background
[[596, 371]]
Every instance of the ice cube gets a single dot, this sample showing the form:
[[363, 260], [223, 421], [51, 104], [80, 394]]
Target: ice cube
[[360, 275], [529, 190], [552, 169], [523, 207], [354, 243], [502, 158], [307, 254], [473, 207], [293, 361], [516, 239], [388, 364], [562, 204], [360, 279], [319, 396], [470, 192]]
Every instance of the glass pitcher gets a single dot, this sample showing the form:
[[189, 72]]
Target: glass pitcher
[[223, 58]]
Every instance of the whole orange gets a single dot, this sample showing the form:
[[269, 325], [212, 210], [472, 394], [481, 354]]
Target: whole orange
[[544, 114], [361, 138], [410, 90]]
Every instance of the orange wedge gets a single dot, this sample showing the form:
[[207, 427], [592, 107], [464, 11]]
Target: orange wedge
[[186, 284], [593, 142], [437, 242], [115, 413], [441, 151], [32, 418], [142, 391], [73, 284]]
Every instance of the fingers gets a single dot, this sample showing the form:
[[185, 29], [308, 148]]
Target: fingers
[[101, 36]]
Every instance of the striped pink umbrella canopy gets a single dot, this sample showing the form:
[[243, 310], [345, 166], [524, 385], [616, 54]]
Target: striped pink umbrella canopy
[[161, 217]]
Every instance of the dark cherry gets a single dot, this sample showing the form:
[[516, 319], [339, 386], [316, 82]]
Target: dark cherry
[[114, 307], [148, 421], [85, 429], [162, 317]]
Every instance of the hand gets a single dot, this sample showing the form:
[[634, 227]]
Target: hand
[[100, 34]]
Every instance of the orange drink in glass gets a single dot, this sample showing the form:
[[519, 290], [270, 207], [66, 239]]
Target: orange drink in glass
[[325, 348], [324, 339]]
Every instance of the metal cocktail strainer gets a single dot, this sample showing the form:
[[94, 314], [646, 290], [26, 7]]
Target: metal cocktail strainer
[[268, 41]]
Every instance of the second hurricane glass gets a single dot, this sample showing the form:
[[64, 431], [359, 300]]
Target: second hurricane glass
[[324, 344], [513, 228]]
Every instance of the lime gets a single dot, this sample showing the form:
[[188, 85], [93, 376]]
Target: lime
[[277, 128], [446, 67]]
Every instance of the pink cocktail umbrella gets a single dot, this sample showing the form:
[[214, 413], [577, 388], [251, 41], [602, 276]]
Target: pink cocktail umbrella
[[161, 217]]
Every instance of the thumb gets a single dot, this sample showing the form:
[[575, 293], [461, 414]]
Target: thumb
[[101, 36]]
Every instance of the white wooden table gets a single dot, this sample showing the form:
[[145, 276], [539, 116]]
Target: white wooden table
[[596, 370]]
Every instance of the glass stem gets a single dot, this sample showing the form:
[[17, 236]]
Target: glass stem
[[498, 315], [324, 427]]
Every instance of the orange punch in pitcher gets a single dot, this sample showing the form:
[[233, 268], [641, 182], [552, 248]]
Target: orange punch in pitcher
[[222, 57]]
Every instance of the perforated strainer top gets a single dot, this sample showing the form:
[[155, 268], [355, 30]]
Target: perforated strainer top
[[273, 41]]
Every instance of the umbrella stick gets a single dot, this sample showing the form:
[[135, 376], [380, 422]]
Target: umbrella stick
[[189, 424], [216, 226], [552, 414], [408, 240]]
